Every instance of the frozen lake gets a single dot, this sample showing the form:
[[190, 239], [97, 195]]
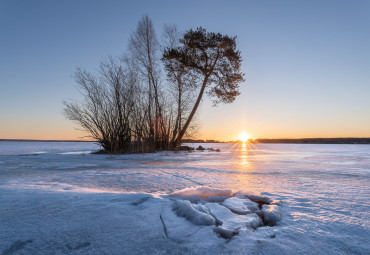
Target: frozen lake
[[57, 198]]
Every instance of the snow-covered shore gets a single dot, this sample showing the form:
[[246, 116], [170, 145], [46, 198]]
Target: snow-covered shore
[[63, 201]]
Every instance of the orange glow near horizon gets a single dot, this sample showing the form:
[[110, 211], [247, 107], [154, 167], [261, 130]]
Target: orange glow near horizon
[[65, 130]]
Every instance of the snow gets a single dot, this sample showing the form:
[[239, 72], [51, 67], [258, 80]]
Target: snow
[[57, 199]]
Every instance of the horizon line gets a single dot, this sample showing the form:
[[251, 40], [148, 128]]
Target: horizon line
[[205, 140]]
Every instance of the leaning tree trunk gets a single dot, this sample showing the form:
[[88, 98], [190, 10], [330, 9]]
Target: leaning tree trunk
[[186, 125]]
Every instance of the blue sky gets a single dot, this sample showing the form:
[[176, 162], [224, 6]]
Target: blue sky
[[307, 63]]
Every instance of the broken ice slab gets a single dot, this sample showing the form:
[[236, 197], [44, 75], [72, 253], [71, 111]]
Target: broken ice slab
[[231, 220], [253, 206], [184, 208], [255, 198], [224, 232], [203, 192], [236, 205], [177, 228], [276, 202], [271, 214]]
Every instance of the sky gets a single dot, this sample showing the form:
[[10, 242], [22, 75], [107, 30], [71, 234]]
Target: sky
[[306, 63]]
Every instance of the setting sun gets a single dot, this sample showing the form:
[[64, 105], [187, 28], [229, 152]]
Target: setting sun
[[244, 137]]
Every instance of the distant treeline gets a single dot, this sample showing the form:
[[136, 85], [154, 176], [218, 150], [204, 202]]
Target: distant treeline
[[36, 140], [316, 141], [199, 141]]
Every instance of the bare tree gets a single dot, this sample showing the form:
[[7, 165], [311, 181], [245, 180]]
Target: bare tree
[[107, 108], [144, 48], [214, 60]]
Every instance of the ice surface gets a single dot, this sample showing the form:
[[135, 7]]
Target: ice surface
[[100, 204], [35, 148]]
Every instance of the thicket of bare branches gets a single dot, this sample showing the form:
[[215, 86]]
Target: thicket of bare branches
[[138, 103]]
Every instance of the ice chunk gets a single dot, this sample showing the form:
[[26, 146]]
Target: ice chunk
[[231, 220], [196, 199], [184, 208], [203, 192], [259, 213], [202, 208], [236, 205], [255, 198], [275, 202], [254, 221], [177, 228], [249, 192], [271, 214], [216, 199], [192, 199], [253, 206], [202, 242]]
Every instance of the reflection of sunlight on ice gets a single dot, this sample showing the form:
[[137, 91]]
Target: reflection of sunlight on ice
[[243, 161], [246, 161], [244, 147], [243, 155]]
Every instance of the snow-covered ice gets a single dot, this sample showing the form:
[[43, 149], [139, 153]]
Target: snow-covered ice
[[56, 198]]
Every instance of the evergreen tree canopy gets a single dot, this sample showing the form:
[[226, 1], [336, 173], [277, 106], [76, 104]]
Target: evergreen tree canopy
[[212, 56]]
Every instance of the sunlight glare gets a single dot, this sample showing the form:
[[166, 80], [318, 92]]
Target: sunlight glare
[[244, 137]]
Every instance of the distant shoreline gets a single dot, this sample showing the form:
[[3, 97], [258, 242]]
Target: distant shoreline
[[35, 140], [349, 140], [340, 140]]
